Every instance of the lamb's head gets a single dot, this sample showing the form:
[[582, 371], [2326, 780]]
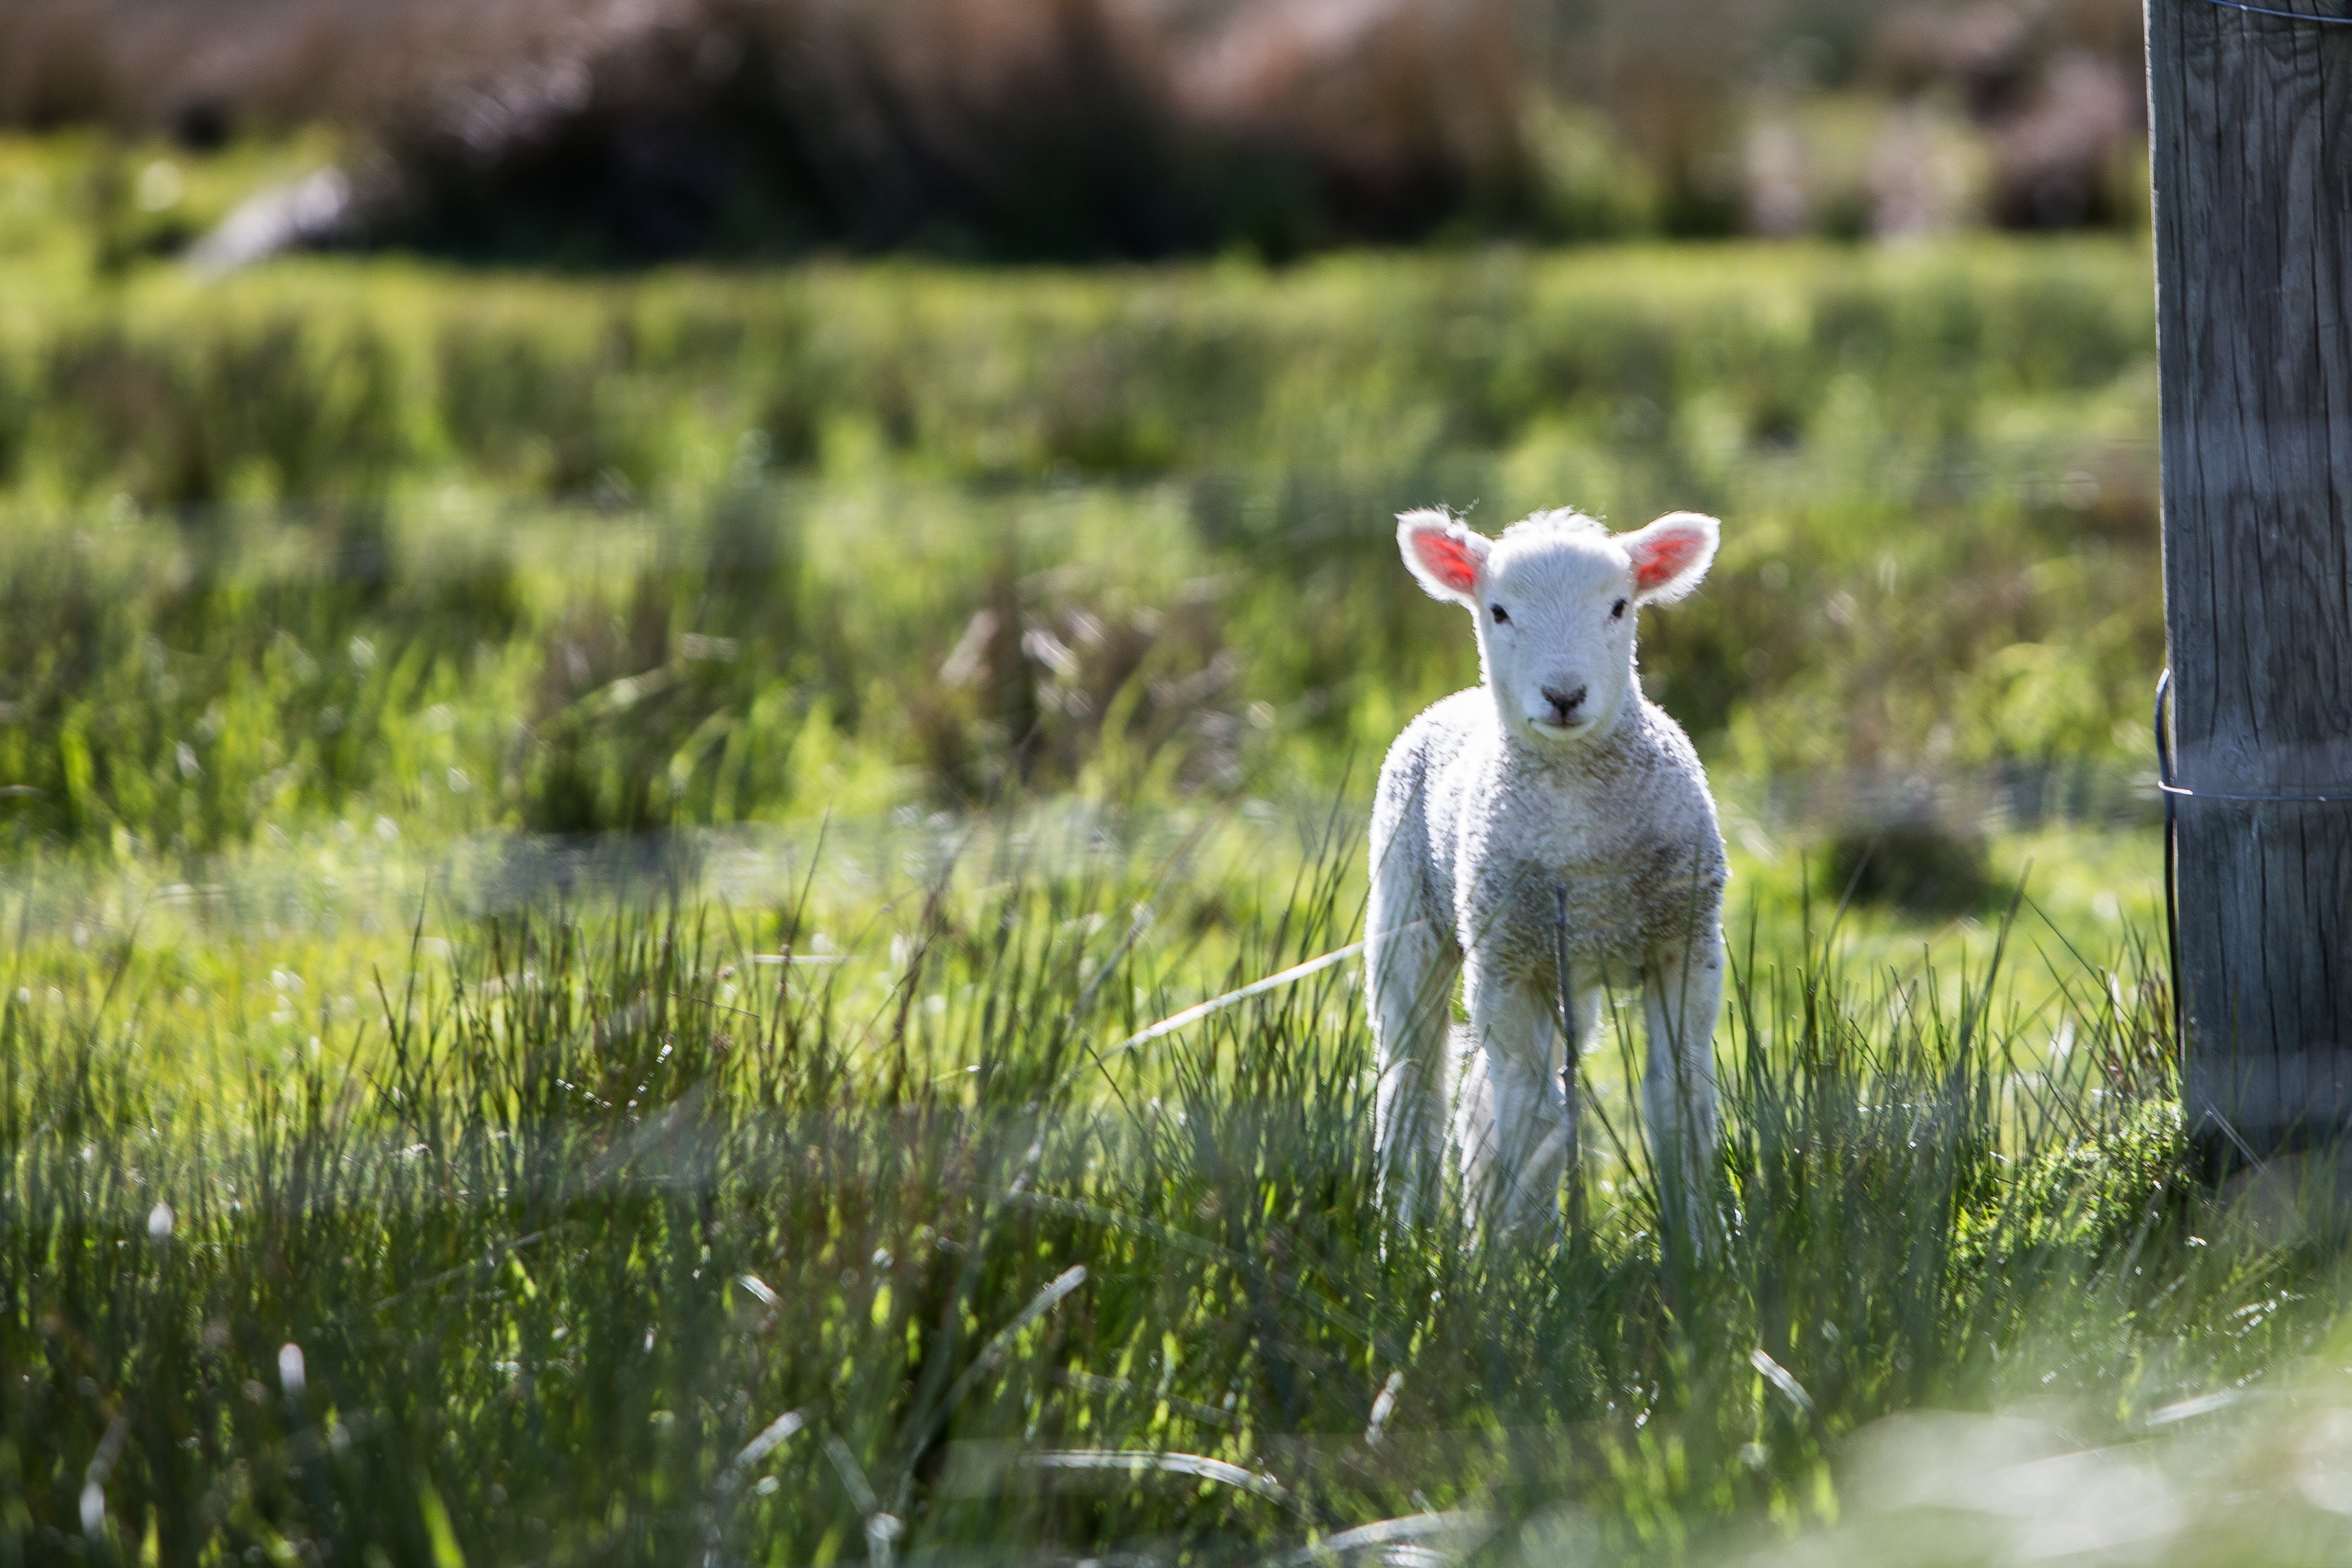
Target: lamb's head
[[1553, 600]]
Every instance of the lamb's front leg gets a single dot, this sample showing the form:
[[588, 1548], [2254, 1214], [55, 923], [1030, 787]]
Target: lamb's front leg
[[1515, 1130], [1682, 993]]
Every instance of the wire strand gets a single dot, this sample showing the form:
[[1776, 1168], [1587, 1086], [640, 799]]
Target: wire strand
[[2173, 795], [2341, 793]]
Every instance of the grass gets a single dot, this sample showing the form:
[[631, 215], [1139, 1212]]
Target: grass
[[609, 1236], [1933, 463], [1141, 512], [579, 854]]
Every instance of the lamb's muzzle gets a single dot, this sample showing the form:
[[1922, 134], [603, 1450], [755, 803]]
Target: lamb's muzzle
[[1564, 704], [1546, 835]]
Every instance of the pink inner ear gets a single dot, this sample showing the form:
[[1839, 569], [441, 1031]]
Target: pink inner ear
[[1662, 559], [1447, 558]]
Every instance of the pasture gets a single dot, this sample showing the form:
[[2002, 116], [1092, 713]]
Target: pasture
[[585, 859]]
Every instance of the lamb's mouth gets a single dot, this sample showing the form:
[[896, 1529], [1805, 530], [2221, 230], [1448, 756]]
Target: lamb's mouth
[[1554, 727]]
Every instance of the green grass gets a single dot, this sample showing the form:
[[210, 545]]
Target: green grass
[[694, 547], [428, 698], [563, 1223]]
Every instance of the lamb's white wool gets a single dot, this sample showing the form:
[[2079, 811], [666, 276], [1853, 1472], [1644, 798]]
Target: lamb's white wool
[[1556, 772]]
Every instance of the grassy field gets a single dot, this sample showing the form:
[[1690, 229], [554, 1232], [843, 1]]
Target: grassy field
[[703, 1233], [581, 855], [1138, 516]]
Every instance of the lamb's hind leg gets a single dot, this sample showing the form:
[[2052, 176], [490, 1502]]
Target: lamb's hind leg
[[1411, 968], [1682, 993]]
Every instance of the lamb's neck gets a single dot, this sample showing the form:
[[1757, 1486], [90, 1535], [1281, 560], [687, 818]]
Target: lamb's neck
[[1594, 762]]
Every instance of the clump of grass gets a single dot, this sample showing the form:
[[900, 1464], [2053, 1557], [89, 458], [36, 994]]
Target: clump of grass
[[659, 1232], [1919, 864]]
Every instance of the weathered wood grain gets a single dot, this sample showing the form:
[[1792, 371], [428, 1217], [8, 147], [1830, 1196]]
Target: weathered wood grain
[[2251, 136]]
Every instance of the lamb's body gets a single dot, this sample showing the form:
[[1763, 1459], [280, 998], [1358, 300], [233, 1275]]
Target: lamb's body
[[1476, 827], [1628, 829]]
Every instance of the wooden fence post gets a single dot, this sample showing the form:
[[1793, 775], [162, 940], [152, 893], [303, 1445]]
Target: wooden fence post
[[2251, 131]]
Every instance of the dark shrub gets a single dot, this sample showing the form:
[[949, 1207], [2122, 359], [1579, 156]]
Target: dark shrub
[[1923, 866]]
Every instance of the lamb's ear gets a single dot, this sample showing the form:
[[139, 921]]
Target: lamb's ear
[[1443, 553], [1671, 556]]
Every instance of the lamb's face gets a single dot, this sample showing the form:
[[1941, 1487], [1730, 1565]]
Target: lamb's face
[[1556, 631], [1554, 601]]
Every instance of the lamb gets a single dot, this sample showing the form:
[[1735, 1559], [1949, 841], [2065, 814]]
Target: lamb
[[1554, 773]]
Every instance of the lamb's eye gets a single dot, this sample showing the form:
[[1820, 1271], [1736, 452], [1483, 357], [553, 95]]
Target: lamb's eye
[[1502, 617], [1617, 611]]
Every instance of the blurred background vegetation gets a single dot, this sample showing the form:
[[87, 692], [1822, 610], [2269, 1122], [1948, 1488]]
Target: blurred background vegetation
[[703, 546], [1081, 130], [766, 528]]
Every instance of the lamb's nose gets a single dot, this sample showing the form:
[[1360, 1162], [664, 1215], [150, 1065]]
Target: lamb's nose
[[1564, 704]]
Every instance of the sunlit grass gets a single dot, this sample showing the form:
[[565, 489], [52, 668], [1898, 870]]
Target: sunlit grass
[[572, 1209], [349, 538]]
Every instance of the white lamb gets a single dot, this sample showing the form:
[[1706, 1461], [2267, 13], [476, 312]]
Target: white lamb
[[1555, 773]]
